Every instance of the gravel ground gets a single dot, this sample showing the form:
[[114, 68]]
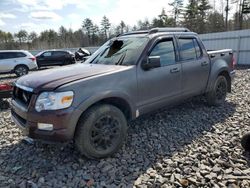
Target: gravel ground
[[190, 145]]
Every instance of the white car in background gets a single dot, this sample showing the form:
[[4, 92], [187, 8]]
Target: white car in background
[[19, 62]]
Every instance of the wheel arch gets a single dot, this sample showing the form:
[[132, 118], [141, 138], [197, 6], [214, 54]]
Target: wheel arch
[[121, 101], [222, 71], [19, 65]]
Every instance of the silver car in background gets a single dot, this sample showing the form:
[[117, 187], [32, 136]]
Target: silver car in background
[[19, 62]]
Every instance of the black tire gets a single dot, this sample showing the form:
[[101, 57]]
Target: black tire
[[21, 70], [101, 131], [218, 94], [245, 142], [4, 105]]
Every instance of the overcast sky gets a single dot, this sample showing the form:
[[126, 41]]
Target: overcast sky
[[38, 15]]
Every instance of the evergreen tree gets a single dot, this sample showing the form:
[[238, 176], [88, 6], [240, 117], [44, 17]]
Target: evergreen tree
[[105, 26], [87, 26], [122, 26], [163, 20], [190, 15], [177, 9], [143, 25], [215, 22], [203, 8]]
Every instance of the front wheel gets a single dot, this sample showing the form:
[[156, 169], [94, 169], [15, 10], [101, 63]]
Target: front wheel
[[101, 131], [218, 94]]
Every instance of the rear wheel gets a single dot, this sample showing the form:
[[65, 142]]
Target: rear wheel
[[21, 70], [218, 93], [101, 131]]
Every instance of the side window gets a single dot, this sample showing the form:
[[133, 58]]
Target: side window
[[9, 55], [187, 49], [1, 56], [197, 49], [47, 54], [18, 54], [165, 49], [58, 53]]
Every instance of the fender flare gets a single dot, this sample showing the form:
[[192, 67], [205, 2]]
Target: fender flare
[[216, 70], [91, 100]]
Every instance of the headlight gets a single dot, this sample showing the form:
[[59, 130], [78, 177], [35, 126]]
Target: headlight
[[54, 100]]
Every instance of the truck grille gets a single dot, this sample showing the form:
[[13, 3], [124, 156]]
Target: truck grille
[[22, 95]]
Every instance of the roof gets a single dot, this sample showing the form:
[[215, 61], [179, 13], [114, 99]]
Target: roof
[[13, 51]]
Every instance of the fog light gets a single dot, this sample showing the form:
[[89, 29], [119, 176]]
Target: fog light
[[45, 126]]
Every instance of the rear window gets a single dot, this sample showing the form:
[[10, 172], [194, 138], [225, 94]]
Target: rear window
[[9, 55]]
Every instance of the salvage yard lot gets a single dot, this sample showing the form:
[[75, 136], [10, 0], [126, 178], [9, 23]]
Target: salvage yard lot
[[189, 145]]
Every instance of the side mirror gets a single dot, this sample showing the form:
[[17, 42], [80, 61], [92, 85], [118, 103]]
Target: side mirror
[[152, 62]]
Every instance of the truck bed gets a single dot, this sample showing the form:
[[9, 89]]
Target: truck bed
[[222, 55]]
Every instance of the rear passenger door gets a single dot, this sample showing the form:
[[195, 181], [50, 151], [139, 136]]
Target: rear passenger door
[[160, 86], [58, 57], [195, 66]]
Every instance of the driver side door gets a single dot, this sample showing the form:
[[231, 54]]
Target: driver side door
[[160, 86], [45, 59]]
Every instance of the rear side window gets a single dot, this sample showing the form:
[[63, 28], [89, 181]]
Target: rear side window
[[59, 53], [165, 49], [19, 54], [189, 49], [197, 48]]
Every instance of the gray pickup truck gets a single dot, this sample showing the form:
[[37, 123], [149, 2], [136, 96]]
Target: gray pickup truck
[[130, 75]]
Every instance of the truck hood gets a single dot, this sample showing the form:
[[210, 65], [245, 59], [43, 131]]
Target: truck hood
[[53, 78]]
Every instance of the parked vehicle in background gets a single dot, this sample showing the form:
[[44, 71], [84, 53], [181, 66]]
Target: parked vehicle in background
[[19, 62], [55, 57], [81, 54], [130, 75]]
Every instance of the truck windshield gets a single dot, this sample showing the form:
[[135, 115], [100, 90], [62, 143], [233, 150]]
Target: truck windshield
[[119, 51]]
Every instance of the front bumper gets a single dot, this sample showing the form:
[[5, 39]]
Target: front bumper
[[64, 122], [32, 66], [33, 69]]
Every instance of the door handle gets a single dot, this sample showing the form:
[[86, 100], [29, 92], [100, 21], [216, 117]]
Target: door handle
[[205, 63], [175, 70]]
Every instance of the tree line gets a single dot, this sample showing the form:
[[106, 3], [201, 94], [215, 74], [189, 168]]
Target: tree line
[[198, 15]]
